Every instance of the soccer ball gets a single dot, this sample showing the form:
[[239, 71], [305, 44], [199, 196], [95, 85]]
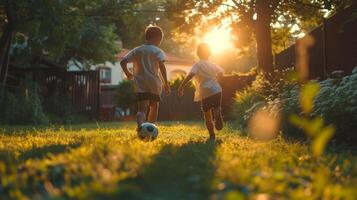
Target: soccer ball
[[148, 131]]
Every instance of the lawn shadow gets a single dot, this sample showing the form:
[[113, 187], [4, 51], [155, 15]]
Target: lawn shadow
[[89, 126], [41, 152], [178, 172]]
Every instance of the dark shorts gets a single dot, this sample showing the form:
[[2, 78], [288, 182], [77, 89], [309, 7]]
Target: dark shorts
[[213, 101], [143, 96]]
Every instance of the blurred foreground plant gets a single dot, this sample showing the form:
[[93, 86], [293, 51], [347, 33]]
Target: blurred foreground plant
[[314, 127]]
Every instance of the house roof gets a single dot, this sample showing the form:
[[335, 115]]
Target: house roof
[[170, 58]]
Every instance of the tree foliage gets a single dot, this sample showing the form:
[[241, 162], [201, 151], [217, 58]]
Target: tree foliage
[[148, 12], [266, 22], [62, 30]]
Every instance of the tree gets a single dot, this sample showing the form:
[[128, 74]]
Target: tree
[[131, 27], [251, 19], [81, 30], [5, 43]]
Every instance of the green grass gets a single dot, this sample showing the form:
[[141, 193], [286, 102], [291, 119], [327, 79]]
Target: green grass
[[107, 161]]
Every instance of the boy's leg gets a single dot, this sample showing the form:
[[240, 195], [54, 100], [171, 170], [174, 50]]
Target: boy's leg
[[153, 111], [209, 124], [218, 121], [141, 114]]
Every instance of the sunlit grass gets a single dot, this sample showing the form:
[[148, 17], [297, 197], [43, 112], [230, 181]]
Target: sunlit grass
[[107, 161]]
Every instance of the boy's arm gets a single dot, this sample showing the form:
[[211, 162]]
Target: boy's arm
[[184, 83], [124, 66], [219, 72], [164, 76]]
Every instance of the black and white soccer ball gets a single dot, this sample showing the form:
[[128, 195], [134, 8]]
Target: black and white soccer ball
[[148, 131]]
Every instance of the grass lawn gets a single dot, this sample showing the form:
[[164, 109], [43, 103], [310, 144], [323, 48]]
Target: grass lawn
[[107, 161]]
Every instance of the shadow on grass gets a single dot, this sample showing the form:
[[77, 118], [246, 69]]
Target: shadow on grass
[[178, 172], [26, 129], [8, 156], [41, 152]]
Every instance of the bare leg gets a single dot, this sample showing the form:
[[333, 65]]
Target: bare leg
[[153, 111], [141, 114], [218, 118], [209, 124]]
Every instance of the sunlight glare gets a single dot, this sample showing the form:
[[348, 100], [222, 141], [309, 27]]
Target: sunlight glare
[[264, 124], [219, 39]]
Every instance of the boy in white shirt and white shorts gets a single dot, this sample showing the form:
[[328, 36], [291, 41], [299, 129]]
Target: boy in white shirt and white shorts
[[148, 59], [208, 90]]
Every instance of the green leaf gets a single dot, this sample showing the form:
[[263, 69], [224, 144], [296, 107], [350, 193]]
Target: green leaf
[[310, 126], [319, 143], [314, 126], [307, 95], [298, 121], [234, 195]]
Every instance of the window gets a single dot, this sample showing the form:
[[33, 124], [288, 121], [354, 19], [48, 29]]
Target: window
[[105, 74]]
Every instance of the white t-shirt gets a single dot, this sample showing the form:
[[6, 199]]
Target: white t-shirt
[[205, 79], [145, 60]]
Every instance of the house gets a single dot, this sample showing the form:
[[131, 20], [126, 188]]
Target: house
[[111, 75], [175, 66]]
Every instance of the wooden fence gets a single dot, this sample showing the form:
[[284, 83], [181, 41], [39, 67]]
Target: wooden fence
[[335, 46], [81, 88], [178, 108], [87, 97], [85, 92], [173, 107]]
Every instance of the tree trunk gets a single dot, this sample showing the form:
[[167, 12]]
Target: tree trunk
[[263, 36], [4, 62], [5, 46]]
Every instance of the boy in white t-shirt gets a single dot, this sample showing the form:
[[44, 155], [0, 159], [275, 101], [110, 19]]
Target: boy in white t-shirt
[[208, 91], [147, 60]]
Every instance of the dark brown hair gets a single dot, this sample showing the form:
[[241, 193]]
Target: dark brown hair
[[152, 32]]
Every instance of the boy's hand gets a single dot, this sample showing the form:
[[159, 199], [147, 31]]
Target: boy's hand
[[180, 92], [167, 89]]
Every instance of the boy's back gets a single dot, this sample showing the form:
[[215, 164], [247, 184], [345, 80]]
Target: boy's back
[[205, 79], [146, 60], [208, 91]]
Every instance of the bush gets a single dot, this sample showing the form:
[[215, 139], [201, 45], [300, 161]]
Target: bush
[[125, 95], [24, 106], [58, 107], [266, 90], [245, 104], [336, 102], [175, 84]]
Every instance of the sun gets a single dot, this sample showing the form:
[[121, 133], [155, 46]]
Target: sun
[[219, 39]]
